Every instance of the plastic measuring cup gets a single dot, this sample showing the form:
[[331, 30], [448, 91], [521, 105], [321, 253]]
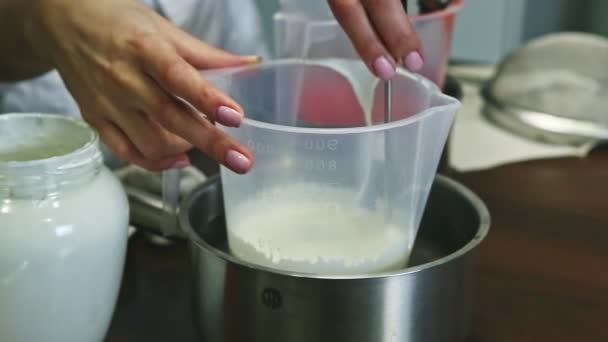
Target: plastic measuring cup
[[307, 29], [317, 197]]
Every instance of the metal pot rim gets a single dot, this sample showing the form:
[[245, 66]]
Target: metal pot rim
[[195, 240]]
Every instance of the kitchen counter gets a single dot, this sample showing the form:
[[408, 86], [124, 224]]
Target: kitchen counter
[[542, 273]]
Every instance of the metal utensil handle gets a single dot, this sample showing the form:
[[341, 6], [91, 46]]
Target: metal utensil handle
[[388, 117], [171, 196], [388, 101]]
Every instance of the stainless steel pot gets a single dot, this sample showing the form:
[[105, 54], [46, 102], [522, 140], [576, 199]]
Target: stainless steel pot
[[431, 301]]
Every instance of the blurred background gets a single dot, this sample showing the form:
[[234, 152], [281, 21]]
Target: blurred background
[[488, 29]]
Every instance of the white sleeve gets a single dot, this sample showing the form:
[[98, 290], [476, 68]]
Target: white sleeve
[[233, 25], [42, 94]]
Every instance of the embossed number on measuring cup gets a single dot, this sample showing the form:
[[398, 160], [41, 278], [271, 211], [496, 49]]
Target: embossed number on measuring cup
[[321, 144], [272, 298], [320, 165], [260, 147]]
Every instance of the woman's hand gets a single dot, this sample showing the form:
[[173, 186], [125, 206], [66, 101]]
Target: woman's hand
[[381, 33], [126, 66]]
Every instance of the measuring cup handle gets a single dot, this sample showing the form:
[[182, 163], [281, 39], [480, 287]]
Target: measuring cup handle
[[171, 196]]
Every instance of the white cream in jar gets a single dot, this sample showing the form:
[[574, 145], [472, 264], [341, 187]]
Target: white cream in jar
[[63, 231]]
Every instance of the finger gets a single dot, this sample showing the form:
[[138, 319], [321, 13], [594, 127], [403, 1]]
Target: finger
[[353, 18], [204, 56], [124, 149], [205, 136], [176, 76], [151, 139], [135, 95], [394, 28]]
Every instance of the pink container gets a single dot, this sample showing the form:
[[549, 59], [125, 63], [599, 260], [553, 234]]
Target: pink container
[[308, 33], [435, 31]]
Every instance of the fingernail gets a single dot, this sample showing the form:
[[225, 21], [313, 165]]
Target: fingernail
[[229, 117], [254, 59], [413, 61], [180, 164], [384, 69], [237, 161]]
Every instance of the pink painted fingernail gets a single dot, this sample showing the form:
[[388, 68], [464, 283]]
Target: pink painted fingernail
[[384, 69], [229, 117], [255, 59], [237, 161], [180, 164], [413, 61]]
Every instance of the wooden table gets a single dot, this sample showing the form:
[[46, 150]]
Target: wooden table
[[542, 274]]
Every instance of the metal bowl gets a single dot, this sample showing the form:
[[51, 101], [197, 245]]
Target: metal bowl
[[427, 302], [554, 89]]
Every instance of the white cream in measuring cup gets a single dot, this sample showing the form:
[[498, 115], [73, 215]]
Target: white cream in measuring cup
[[305, 232], [304, 226]]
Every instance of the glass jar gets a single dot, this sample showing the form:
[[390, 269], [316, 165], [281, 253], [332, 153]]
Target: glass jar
[[63, 231]]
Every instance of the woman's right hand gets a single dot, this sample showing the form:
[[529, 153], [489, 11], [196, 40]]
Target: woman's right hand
[[381, 33], [125, 66]]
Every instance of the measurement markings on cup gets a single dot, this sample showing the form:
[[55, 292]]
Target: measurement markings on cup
[[321, 145]]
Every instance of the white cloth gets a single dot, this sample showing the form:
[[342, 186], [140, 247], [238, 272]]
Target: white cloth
[[233, 25], [476, 144]]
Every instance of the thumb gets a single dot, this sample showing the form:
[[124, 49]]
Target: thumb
[[204, 56]]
